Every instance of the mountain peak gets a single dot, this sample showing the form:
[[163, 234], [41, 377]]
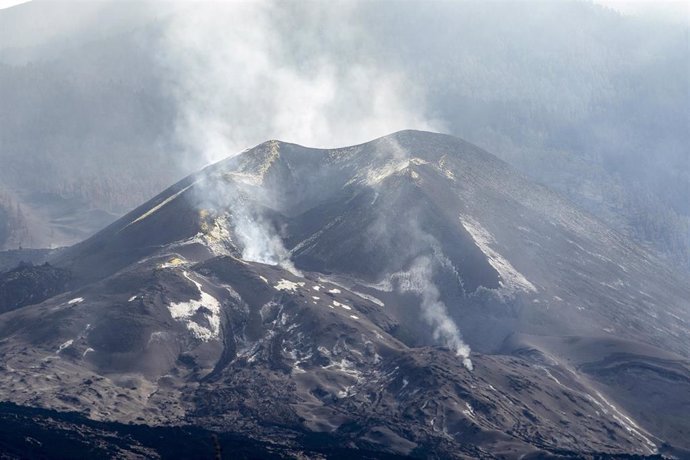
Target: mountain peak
[[352, 284]]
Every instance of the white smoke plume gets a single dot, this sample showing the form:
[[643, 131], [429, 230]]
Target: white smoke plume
[[419, 280], [259, 241], [238, 222], [245, 72]]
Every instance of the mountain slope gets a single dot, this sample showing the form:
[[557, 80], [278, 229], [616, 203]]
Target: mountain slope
[[337, 293]]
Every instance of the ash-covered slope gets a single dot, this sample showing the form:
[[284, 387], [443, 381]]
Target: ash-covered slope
[[290, 294]]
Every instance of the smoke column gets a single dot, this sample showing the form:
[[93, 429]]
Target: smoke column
[[245, 72]]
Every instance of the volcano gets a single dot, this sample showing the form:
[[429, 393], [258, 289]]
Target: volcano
[[412, 296]]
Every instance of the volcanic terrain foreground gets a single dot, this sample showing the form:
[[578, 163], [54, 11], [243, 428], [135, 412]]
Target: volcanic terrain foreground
[[324, 302]]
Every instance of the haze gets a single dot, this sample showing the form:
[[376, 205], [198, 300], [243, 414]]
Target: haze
[[106, 103]]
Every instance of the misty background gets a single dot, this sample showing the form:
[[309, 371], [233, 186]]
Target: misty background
[[104, 104]]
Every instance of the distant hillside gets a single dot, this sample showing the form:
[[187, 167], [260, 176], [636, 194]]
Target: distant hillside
[[12, 258]]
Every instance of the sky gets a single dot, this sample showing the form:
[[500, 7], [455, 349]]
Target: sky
[[677, 11], [8, 3], [674, 10]]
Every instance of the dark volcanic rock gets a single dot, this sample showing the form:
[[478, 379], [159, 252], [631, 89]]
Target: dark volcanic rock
[[12, 258], [37, 434], [314, 302], [28, 284]]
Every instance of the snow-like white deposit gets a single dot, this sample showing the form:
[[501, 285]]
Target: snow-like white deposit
[[208, 306], [75, 301], [342, 305], [370, 298], [349, 369], [287, 285], [511, 279], [625, 421], [376, 175], [443, 167], [160, 205], [65, 345]]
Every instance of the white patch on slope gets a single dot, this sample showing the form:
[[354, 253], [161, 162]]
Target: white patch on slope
[[76, 301], [338, 304], [469, 411], [287, 285], [346, 368], [314, 237], [511, 279], [186, 310], [65, 345], [132, 299], [623, 420], [368, 297], [442, 165], [376, 175], [160, 205], [609, 409]]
